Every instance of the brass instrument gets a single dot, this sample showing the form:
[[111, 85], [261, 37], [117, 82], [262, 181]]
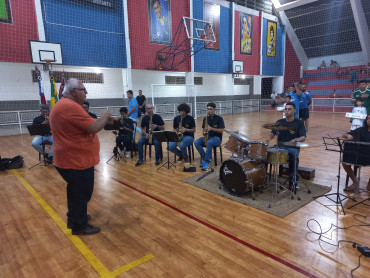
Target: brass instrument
[[150, 130], [121, 120], [179, 133], [205, 132]]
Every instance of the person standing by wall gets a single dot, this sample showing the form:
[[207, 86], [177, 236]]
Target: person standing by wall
[[141, 101]]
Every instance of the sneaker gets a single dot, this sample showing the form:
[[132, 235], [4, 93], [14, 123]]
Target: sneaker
[[179, 159], [128, 154], [86, 231], [70, 225], [201, 164], [157, 162], [205, 166], [122, 153], [139, 163], [186, 161]]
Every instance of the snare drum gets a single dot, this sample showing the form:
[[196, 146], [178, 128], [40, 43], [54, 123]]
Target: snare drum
[[235, 145], [278, 156], [257, 150], [239, 176]]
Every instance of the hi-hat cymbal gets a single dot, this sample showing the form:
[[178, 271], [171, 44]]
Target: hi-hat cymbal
[[277, 126], [294, 144]]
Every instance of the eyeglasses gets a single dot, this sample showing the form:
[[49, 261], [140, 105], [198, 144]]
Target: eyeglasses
[[79, 89]]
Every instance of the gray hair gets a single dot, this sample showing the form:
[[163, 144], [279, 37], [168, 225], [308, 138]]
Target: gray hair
[[71, 84]]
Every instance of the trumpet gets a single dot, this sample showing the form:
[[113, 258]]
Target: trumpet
[[205, 131], [150, 130]]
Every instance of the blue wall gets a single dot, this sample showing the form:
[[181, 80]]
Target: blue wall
[[210, 60], [90, 35], [273, 65]]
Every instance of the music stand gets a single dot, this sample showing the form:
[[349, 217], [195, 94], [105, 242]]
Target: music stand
[[166, 136], [335, 145], [114, 127], [360, 158], [42, 130]]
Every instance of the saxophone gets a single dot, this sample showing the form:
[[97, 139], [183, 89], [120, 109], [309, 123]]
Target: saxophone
[[150, 130], [179, 133], [205, 132]]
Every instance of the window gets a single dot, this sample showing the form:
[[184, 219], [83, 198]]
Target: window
[[241, 81], [85, 77], [175, 80], [198, 80]]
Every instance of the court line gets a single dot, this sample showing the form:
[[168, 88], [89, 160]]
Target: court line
[[249, 245], [81, 246]]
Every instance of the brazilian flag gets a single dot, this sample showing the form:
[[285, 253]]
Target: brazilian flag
[[53, 92]]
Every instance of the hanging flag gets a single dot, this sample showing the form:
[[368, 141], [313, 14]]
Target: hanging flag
[[53, 92], [61, 88], [42, 96]]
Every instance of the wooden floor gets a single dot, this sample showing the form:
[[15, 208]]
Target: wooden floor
[[155, 225]]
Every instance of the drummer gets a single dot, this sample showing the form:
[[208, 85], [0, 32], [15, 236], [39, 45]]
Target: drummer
[[296, 134]]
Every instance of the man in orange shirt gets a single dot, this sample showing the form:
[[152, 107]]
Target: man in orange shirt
[[76, 152]]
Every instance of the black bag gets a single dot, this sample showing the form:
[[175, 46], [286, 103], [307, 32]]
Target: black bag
[[11, 163]]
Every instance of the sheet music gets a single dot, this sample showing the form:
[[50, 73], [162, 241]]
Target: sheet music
[[355, 116]]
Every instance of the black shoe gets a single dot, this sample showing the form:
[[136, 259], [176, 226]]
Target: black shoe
[[157, 162], [86, 231], [139, 163], [49, 159], [70, 225]]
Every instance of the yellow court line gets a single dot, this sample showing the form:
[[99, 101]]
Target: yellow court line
[[132, 265], [81, 246]]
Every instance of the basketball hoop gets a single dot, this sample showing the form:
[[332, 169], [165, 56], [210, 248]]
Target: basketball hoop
[[48, 66], [236, 74]]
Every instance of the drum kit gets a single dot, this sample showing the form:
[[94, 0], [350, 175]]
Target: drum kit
[[246, 171]]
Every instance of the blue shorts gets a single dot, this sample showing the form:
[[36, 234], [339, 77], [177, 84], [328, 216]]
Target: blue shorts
[[303, 113]]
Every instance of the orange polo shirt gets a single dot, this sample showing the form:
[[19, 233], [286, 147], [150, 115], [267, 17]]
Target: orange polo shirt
[[74, 148]]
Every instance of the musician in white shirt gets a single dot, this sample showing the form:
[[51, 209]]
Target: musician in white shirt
[[359, 110]]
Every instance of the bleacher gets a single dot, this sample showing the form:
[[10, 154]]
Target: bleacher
[[322, 82]]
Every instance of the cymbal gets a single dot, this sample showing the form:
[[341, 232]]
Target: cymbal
[[242, 137], [294, 144], [277, 126]]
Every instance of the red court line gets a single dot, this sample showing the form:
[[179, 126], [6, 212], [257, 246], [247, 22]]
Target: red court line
[[255, 248]]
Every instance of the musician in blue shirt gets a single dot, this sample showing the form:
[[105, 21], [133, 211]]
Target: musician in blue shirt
[[361, 134]]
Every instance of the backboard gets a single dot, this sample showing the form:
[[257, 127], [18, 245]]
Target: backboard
[[237, 68], [42, 51], [197, 29]]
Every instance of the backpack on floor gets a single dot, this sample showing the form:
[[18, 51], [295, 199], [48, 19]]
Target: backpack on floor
[[11, 163]]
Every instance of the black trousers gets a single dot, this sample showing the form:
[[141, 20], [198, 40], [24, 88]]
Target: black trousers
[[80, 186], [124, 141]]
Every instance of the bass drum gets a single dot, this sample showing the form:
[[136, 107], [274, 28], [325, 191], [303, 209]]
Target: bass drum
[[239, 176]]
